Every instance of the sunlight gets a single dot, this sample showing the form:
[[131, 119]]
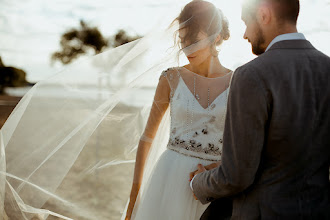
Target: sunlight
[[31, 31]]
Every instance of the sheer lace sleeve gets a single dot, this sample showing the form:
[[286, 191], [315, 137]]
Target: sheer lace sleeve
[[159, 106]]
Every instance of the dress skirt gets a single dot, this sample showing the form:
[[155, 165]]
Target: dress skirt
[[168, 194]]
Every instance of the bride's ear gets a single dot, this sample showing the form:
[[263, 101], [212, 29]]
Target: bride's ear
[[218, 39]]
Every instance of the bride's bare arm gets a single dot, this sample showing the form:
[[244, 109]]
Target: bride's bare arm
[[158, 109]]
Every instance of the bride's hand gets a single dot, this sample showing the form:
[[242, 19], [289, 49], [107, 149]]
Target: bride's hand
[[134, 193], [212, 165], [207, 167]]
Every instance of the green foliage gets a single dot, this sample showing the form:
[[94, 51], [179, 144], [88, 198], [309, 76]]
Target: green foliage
[[11, 77], [77, 42], [122, 38]]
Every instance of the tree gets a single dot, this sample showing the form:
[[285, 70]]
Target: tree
[[1, 63], [122, 38], [11, 77], [77, 42]]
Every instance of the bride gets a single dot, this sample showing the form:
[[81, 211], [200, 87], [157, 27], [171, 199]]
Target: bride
[[68, 149], [197, 96]]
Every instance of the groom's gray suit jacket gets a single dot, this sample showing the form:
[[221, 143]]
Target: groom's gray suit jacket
[[276, 153]]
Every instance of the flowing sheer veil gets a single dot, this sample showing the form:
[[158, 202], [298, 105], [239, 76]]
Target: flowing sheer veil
[[68, 148]]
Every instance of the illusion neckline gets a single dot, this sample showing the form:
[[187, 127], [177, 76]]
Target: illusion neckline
[[208, 77], [220, 95]]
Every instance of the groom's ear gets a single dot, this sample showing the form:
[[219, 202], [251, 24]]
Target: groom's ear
[[264, 14]]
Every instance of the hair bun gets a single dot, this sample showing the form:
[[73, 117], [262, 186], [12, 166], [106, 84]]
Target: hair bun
[[225, 33]]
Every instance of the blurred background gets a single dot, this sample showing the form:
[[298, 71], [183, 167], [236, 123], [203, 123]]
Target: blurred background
[[40, 38]]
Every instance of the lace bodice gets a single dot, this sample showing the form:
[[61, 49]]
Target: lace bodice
[[197, 129]]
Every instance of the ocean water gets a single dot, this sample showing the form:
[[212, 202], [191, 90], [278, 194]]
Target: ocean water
[[133, 97]]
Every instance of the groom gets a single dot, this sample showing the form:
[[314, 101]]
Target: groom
[[276, 152]]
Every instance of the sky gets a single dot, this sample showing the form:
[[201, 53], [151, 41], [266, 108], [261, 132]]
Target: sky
[[30, 30]]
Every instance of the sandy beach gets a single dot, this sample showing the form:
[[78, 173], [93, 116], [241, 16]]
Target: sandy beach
[[97, 194]]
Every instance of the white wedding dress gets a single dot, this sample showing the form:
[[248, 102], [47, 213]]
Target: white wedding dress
[[68, 148], [197, 110]]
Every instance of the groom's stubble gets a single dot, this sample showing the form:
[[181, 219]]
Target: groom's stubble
[[257, 47]]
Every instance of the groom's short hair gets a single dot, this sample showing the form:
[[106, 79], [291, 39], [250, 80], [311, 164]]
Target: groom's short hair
[[286, 10]]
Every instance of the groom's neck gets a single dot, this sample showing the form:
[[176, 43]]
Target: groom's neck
[[284, 28]]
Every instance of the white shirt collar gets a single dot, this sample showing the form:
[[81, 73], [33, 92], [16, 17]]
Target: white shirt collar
[[290, 36]]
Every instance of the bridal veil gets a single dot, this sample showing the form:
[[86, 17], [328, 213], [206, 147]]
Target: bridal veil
[[68, 148]]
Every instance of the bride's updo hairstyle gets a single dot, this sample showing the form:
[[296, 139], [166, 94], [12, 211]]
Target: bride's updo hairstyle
[[202, 16]]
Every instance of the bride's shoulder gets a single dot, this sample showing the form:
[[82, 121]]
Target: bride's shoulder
[[170, 71]]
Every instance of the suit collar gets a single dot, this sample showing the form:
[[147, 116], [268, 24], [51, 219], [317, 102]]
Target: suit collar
[[292, 44], [288, 36]]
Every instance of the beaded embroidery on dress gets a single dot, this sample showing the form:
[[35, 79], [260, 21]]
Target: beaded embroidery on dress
[[197, 113], [197, 126]]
